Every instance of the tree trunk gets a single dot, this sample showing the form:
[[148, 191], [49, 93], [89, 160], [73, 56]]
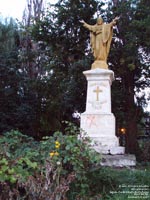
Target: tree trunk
[[131, 136], [131, 115]]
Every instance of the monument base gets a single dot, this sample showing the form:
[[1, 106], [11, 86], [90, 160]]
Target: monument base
[[109, 149], [98, 122], [100, 128]]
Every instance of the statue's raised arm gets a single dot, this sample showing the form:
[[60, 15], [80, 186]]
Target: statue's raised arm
[[114, 21], [100, 40]]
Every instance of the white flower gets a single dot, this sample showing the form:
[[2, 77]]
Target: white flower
[[58, 163]]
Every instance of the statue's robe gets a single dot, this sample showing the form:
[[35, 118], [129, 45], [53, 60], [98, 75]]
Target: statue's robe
[[100, 39]]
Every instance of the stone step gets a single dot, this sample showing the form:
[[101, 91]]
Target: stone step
[[126, 160], [113, 150]]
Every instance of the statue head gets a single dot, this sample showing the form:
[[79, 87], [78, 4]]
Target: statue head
[[99, 21]]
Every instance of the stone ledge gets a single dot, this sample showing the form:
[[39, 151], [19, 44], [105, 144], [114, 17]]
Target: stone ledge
[[127, 160], [113, 150], [99, 74]]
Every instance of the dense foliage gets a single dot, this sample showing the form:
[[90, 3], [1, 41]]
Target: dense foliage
[[61, 168], [38, 170]]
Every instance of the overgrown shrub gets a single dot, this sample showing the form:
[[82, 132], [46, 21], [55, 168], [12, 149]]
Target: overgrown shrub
[[44, 170], [61, 167]]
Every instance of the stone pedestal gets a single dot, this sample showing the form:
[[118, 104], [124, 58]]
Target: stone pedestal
[[98, 121]]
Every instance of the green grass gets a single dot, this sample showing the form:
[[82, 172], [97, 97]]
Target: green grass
[[107, 183], [120, 184]]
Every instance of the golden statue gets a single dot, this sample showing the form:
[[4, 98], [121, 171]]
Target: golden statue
[[100, 40]]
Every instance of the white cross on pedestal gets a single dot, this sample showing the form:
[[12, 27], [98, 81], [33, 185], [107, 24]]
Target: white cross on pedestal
[[97, 91]]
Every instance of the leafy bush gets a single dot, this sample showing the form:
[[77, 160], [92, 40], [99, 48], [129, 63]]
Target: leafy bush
[[44, 169], [61, 167]]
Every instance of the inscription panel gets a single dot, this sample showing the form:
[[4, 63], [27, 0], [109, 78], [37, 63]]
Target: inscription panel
[[97, 98]]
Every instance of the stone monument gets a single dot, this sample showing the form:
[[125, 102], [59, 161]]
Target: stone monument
[[98, 121]]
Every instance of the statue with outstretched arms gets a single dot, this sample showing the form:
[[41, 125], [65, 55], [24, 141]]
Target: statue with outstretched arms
[[100, 40]]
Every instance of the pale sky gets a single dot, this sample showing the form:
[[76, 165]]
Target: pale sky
[[14, 8]]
